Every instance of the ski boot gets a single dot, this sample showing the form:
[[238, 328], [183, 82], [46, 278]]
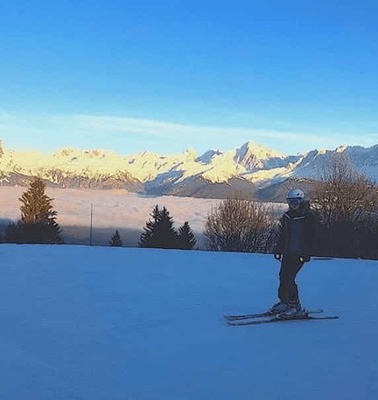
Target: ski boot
[[278, 308], [293, 310]]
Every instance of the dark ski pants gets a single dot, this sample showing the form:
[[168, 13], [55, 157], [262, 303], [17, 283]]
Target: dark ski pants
[[288, 289]]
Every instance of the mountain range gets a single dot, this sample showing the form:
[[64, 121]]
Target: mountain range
[[262, 173]]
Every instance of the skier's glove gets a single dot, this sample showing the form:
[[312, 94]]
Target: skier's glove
[[303, 259], [278, 256]]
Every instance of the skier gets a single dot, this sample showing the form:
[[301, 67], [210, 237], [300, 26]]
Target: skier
[[293, 249]]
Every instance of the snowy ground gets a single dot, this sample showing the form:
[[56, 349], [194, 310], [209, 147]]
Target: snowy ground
[[108, 323]]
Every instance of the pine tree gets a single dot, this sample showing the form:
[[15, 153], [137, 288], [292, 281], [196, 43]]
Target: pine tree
[[147, 238], [38, 219], [115, 240], [13, 233], [186, 237], [166, 234], [159, 231]]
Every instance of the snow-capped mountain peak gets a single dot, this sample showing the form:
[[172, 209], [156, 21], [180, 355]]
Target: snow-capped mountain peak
[[255, 157], [212, 174]]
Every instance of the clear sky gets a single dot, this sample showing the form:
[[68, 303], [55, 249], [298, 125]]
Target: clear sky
[[170, 75]]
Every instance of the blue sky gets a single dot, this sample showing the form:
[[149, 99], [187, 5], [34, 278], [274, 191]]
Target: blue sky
[[169, 75]]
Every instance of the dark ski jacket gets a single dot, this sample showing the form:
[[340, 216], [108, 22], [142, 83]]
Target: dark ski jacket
[[296, 234]]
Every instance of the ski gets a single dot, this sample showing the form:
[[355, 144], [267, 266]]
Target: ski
[[277, 319], [239, 317]]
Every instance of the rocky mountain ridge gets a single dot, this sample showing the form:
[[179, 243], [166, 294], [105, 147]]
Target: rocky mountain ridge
[[261, 172]]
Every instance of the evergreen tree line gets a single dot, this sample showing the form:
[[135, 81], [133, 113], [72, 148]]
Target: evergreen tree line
[[38, 219], [159, 232], [344, 201], [38, 225]]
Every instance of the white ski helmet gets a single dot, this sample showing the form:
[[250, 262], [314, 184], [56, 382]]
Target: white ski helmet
[[295, 194], [295, 199]]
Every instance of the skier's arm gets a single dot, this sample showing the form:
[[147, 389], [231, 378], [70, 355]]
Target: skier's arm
[[310, 236]]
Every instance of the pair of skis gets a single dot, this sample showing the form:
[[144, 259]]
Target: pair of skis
[[268, 317]]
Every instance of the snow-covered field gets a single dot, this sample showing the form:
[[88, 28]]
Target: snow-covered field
[[112, 209], [91, 323]]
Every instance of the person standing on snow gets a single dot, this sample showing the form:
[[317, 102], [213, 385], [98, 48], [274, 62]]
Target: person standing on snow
[[293, 249]]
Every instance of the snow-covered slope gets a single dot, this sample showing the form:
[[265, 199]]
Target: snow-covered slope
[[364, 159], [180, 174], [255, 158], [115, 323]]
